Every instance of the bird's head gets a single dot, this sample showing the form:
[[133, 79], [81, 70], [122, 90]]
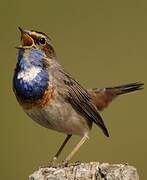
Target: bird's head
[[38, 40]]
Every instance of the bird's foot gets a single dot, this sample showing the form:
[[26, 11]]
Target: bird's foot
[[53, 163], [75, 163], [67, 164], [64, 163]]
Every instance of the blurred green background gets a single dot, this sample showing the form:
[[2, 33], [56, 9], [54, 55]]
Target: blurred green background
[[102, 43]]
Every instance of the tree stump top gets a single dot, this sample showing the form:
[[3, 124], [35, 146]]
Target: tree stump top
[[87, 171]]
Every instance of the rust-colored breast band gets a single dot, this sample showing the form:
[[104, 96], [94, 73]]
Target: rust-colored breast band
[[40, 103]]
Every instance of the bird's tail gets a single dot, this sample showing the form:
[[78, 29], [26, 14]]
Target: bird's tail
[[102, 97], [123, 89]]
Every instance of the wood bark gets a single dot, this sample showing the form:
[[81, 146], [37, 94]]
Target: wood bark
[[87, 171]]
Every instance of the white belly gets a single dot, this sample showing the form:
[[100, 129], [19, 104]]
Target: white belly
[[60, 116]]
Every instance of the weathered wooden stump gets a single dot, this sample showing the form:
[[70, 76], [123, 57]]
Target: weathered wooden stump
[[87, 171]]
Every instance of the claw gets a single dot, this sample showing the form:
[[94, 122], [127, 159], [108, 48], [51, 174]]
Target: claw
[[53, 163]]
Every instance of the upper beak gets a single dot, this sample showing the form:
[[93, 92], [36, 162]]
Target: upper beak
[[26, 38]]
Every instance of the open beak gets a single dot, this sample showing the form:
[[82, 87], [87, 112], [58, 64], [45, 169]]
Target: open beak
[[26, 39]]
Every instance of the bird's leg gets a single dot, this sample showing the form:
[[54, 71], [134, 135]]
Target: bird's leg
[[84, 138], [61, 147]]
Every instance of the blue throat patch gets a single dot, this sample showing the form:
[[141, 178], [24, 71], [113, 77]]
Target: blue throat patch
[[30, 88]]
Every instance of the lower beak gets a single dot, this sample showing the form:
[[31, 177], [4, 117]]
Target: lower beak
[[26, 39]]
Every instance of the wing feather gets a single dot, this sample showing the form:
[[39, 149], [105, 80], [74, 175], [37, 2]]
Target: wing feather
[[81, 101]]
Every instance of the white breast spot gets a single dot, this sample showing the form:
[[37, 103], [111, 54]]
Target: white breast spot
[[29, 74]]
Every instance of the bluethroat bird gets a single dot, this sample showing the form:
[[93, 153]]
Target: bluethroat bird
[[52, 97]]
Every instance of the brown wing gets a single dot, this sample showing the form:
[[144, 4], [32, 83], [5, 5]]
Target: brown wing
[[104, 96], [81, 101]]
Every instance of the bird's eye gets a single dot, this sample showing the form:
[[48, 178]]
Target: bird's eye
[[42, 40]]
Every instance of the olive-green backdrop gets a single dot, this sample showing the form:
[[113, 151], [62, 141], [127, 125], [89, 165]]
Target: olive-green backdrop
[[102, 43]]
